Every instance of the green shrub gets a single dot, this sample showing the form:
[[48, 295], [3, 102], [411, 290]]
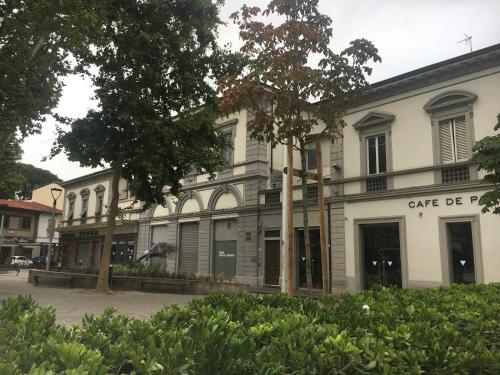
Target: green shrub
[[452, 330]]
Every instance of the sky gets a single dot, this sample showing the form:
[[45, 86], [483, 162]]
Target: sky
[[409, 35]]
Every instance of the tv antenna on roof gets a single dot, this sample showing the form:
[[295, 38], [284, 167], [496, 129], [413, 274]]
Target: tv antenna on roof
[[468, 40]]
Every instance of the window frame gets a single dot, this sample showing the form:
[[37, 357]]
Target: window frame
[[440, 109], [312, 151], [229, 128], [377, 158], [371, 125], [23, 220]]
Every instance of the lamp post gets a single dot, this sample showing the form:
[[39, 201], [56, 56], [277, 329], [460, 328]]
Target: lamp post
[[56, 193]]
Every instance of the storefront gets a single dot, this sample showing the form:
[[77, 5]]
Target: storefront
[[424, 241], [83, 247]]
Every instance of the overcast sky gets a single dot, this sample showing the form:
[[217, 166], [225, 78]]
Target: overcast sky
[[408, 35]]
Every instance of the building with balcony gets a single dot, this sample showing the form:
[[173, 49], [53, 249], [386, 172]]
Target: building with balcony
[[24, 229]]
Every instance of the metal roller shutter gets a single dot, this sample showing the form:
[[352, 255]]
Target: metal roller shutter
[[189, 248]]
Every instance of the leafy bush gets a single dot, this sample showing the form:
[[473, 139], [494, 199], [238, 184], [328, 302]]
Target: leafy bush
[[452, 330], [144, 270]]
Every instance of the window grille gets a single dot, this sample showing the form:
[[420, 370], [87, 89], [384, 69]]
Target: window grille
[[272, 197], [312, 192], [456, 173], [376, 184]]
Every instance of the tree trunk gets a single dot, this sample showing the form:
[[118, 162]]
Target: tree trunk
[[322, 226], [305, 215], [102, 280], [289, 197]]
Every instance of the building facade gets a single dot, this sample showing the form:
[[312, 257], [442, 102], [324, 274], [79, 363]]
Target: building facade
[[24, 229], [406, 205], [84, 221], [401, 200]]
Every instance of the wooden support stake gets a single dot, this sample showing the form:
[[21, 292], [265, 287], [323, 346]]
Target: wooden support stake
[[289, 197], [322, 227]]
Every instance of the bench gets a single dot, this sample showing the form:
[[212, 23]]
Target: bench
[[163, 287], [9, 267], [60, 277]]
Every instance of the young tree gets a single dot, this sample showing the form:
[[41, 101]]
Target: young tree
[[280, 71], [487, 157], [154, 59]]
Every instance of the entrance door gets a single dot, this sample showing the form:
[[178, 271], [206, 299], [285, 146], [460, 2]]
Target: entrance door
[[225, 242], [461, 252], [188, 255], [225, 258], [315, 245], [381, 254], [272, 269]]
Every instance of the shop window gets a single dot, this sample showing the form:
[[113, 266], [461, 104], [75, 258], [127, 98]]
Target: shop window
[[122, 251]]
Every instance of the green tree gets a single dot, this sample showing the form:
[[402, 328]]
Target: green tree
[[36, 40], [487, 157], [154, 59], [34, 177], [280, 71], [11, 180]]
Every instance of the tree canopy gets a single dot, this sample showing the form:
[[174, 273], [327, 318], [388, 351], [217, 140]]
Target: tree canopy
[[36, 39], [487, 157], [156, 117]]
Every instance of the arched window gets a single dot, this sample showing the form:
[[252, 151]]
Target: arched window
[[71, 207], [85, 193], [99, 202]]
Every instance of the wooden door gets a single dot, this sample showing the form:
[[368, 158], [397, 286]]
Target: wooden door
[[272, 262]]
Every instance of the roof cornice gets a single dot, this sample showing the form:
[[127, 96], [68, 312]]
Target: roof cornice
[[445, 70]]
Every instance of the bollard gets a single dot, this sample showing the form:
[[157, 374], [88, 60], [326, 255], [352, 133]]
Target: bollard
[[110, 276]]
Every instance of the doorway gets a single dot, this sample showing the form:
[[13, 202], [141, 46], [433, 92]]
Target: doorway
[[461, 252], [314, 239], [381, 254], [272, 262]]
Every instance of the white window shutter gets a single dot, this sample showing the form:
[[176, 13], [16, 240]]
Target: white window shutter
[[461, 144], [446, 142]]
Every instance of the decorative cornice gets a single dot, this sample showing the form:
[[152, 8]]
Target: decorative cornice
[[373, 118], [449, 99]]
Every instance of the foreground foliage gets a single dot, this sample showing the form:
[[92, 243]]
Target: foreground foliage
[[438, 331]]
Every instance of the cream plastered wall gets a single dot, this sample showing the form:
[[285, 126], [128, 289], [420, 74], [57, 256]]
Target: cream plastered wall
[[161, 211], [92, 198], [422, 232], [226, 201], [43, 195], [190, 206], [411, 128]]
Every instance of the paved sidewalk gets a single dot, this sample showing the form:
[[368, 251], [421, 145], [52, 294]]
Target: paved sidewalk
[[72, 304]]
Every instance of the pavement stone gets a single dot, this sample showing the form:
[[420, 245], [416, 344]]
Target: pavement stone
[[72, 304]]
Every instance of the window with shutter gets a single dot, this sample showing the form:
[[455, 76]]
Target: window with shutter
[[453, 140]]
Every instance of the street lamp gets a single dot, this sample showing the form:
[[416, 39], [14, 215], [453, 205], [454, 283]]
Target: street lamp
[[56, 193]]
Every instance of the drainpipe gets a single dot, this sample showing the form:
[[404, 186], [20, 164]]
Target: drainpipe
[[330, 245], [258, 247]]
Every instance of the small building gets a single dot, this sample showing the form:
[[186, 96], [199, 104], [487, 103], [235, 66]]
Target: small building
[[25, 229], [42, 194], [84, 221]]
